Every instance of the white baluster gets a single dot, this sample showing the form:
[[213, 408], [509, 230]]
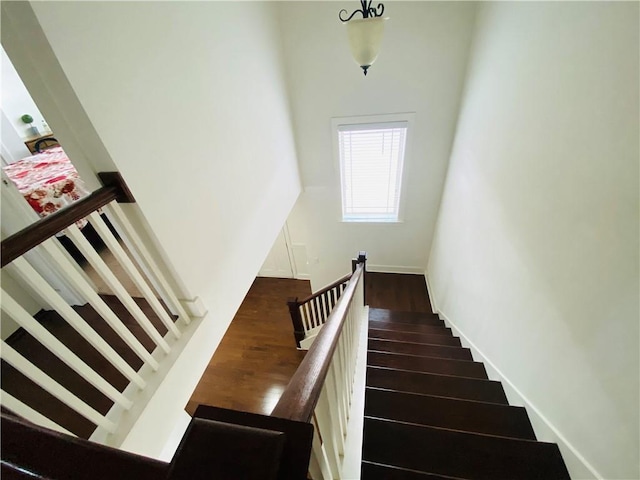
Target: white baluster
[[303, 316], [341, 378], [25, 411], [318, 464], [118, 289], [43, 380], [122, 257], [350, 367], [314, 312], [327, 427], [55, 346], [326, 311], [308, 315], [102, 309], [51, 297], [139, 245], [336, 407]]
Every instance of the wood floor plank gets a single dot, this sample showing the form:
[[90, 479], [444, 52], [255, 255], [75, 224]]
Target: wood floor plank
[[257, 356], [406, 293]]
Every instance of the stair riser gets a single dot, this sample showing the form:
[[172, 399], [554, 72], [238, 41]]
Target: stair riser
[[390, 316], [410, 327], [439, 385], [438, 351], [415, 337], [476, 417], [458, 454], [442, 366]]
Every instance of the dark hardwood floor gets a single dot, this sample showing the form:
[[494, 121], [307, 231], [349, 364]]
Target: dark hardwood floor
[[257, 356], [404, 293]]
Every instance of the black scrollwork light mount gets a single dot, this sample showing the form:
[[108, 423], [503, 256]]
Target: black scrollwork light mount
[[366, 11], [365, 34]]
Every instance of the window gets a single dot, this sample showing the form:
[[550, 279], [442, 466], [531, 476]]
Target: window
[[371, 163]]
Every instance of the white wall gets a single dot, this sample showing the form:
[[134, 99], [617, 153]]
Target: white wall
[[12, 146], [16, 101], [188, 101], [535, 257], [420, 69]]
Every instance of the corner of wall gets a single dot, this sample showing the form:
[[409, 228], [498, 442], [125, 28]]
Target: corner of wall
[[432, 300]]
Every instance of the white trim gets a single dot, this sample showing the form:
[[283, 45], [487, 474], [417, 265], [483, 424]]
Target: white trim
[[195, 307], [516, 397], [395, 269], [434, 308], [181, 425], [297, 275], [336, 122]]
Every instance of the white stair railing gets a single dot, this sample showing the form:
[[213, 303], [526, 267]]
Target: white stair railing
[[160, 329], [310, 314]]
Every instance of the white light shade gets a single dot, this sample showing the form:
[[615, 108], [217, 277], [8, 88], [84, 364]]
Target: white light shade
[[365, 37]]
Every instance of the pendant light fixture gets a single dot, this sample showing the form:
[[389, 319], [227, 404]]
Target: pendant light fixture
[[365, 34]]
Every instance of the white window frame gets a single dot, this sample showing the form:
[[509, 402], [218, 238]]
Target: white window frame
[[372, 121]]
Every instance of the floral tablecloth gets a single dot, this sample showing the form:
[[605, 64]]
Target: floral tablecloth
[[48, 181]]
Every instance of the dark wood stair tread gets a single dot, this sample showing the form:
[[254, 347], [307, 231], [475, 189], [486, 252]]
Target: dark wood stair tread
[[392, 316], [413, 337], [376, 471], [417, 363], [434, 384], [450, 413], [410, 327], [459, 454], [424, 349]]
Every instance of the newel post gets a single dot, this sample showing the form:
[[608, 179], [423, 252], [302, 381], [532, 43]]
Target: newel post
[[362, 258], [296, 319]]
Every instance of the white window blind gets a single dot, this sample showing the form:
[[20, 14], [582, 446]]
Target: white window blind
[[371, 162]]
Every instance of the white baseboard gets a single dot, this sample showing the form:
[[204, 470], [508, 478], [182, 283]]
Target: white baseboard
[[394, 269], [195, 307], [434, 308], [578, 466]]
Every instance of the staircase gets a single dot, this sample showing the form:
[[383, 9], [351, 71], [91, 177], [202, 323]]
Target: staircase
[[432, 413]]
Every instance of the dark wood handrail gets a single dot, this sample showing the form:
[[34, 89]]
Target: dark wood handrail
[[31, 451], [299, 399], [33, 235], [325, 289]]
